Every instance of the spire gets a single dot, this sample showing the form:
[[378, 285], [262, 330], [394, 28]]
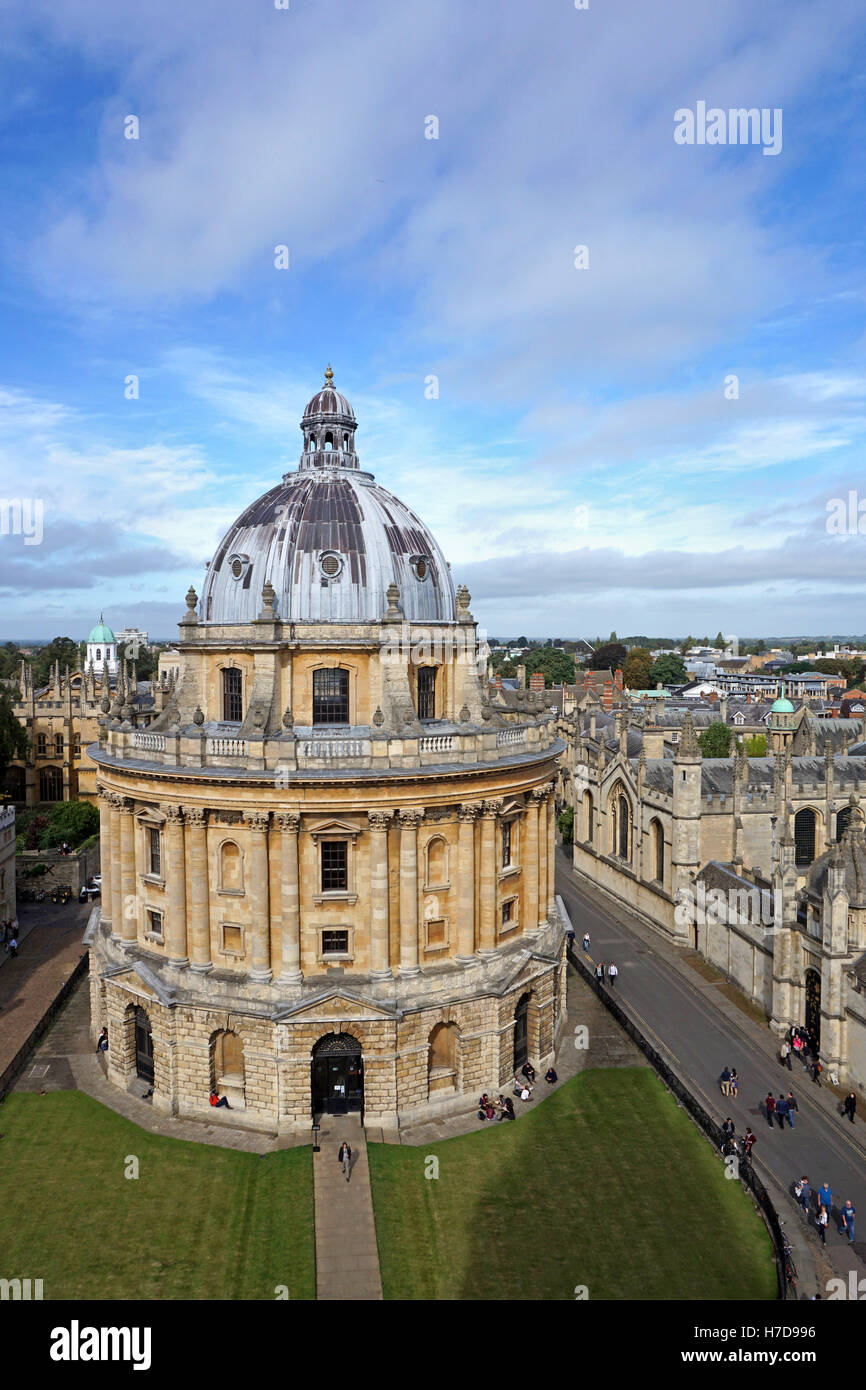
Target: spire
[[688, 745]]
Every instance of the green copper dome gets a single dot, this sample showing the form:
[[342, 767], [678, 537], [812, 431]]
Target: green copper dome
[[101, 633], [782, 706]]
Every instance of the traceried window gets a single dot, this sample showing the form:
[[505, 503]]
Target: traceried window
[[426, 692], [331, 696], [335, 866], [232, 695]]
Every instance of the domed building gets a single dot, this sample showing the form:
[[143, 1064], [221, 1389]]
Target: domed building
[[102, 648], [328, 862]]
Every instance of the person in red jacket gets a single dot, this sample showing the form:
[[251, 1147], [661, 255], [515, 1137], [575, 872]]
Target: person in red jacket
[[219, 1100], [770, 1106]]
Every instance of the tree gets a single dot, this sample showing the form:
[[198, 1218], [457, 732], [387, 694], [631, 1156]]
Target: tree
[[566, 825], [612, 637], [715, 740], [13, 738], [74, 821], [720, 641], [609, 656], [556, 667], [10, 660], [636, 669], [685, 644], [756, 746], [61, 649], [522, 642], [668, 670]]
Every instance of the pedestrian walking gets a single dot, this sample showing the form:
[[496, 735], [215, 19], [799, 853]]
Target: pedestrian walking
[[850, 1105], [804, 1195], [570, 936], [848, 1214], [785, 1054], [797, 1044], [725, 1081], [728, 1129], [735, 1082], [770, 1106], [13, 947], [793, 1107], [781, 1110], [599, 973], [586, 941], [749, 1141], [612, 973], [825, 1197], [344, 1157], [816, 1072], [822, 1219]]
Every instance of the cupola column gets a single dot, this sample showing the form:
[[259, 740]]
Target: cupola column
[[529, 863], [105, 814], [380, 965], [409, 822], [257, 824], [116, 870], [290, 902], [176, 926], [199, 890], [466, 816], [550, 905], [541, 914], [127, 906], [489, 877]]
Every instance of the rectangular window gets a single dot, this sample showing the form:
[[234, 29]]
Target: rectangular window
[[506, 843], [335, 943], [233, 939], [508, 913], [233, 711], [58, 745], [436, 937], [76, 746], [154, 923], [331, 696], [426, 692], [41, 746], [155, 857], [335, 866]]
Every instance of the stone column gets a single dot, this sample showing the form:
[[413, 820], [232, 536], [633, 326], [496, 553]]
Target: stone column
[[116, 905], [488, 877], [290, 900], [466, 816], [129, 899], [199, 890], [105, 816], [175, 935], [409, 822], [380, 965], [541, 918], [529, 863], [550, 906], [257, 824]]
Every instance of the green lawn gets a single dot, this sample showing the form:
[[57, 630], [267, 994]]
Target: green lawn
[[198, 1223], [607, 1184]]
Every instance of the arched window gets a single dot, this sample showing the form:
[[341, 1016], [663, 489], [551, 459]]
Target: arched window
[[329, 441], [620, 824], [98, 653], [623, 827], [437, 862], [345, 441], [231, 868], [228, 1057], [804, 836], [842, 821], [658, 846], [233, 711], [443, 1046], [588, 826], [331, 696], [50, 784]]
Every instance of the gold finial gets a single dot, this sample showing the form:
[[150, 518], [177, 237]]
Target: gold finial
[[329, 375]]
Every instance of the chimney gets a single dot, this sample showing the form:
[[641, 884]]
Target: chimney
[[536, 681], [498, 681], [618, 677], [521, 677]]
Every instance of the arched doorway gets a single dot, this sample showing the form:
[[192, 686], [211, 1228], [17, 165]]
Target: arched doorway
[[337, 1075], [521, 1032], [813, 1008], [143, 1046]]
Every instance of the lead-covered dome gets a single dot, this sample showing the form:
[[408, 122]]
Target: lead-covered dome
[[329, 539]]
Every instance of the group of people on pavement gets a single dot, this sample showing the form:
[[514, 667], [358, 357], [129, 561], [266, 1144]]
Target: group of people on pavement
[[10, 937], [823, 1209], [798, 1042], [785, 1108]]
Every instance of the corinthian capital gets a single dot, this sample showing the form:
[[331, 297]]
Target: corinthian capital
[[410, 820], [196, 815], [491, 807], [379, 820], [469, 812], [289, 821], [173, 814], [256, 820]]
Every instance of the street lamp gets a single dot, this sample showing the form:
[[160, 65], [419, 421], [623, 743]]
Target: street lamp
[[316, 1127]]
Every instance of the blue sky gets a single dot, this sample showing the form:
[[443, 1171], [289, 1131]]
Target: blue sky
[[582, 466]]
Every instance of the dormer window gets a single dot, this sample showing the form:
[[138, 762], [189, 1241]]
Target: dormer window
[[420, 566], [238, 565]]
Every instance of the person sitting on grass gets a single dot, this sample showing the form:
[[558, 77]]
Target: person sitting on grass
[[217, 1100]]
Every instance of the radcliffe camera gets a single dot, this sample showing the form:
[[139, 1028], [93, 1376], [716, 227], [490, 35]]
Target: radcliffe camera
[[432, 680]]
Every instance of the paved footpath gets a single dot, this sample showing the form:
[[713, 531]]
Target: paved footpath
[[699, 1031], [347, 1256], [48, 951]]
